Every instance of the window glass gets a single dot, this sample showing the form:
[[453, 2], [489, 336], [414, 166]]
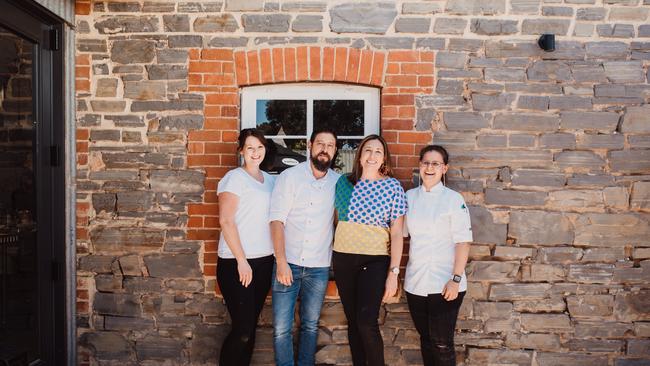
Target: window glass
[[347, 148], [281, 117], [345, 117], [287, 153], [288, 113]]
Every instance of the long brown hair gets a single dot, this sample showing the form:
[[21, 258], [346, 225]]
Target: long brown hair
[[386, 168]]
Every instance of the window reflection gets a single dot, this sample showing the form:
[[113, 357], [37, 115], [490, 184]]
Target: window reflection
[[347, 148], [287, 153], [345, 117], [282, 117]]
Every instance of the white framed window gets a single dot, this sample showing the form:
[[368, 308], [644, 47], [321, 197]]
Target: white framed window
[[288, 113]]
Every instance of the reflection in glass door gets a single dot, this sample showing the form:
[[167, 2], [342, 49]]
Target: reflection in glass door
[[33, 312], [19, 314]]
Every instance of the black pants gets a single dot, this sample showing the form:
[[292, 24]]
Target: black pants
[[435, 320], [361, 281], [244, 305]]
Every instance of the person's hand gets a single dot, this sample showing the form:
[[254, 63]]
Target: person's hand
[[245, 272], [391, 287], [450, 291], [283, 273]]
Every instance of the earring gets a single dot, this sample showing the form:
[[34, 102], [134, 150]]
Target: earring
[[444, 180]]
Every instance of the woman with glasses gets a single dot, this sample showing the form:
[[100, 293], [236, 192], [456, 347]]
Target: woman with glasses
[[435, 283], [370, 206], [245, 254]]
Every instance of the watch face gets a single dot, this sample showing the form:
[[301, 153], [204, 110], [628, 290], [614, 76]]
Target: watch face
[[456, 278]]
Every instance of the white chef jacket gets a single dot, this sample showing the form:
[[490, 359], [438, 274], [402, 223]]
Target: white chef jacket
[[436, 221], [252, 215], [305, 205]]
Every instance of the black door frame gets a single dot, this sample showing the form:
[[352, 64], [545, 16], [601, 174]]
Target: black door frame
[[30, 21]]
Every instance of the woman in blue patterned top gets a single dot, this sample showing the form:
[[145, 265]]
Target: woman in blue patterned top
[[370, 206]]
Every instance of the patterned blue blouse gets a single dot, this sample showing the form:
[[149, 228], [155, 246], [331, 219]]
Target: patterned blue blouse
[[371, 202]]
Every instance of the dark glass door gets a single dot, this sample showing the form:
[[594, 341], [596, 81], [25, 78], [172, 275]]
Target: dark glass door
[[31, 286], [19, 315]]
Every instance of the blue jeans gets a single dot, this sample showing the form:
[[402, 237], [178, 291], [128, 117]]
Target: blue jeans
[[310, 284]]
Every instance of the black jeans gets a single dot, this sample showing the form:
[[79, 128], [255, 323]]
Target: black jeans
[[361, 280], [435, 320], [244, 305]]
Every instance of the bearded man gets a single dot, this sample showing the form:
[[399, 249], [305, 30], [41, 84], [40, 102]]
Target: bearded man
[[302, 223]]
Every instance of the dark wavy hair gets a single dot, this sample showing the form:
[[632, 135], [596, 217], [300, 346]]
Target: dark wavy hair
[[357, 170], [269, 155], [318, 131], [437, 148]]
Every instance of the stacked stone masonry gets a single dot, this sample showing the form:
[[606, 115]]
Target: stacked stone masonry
[[550, 150]]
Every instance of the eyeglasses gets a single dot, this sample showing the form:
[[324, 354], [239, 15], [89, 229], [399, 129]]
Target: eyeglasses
[[433, 164]]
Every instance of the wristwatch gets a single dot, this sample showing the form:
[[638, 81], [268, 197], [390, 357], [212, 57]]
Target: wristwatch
[[456, 278], [394, 270]]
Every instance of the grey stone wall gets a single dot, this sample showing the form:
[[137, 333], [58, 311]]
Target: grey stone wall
[[550, 150]]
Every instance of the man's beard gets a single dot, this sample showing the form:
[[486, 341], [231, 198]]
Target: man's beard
[[320, 165]]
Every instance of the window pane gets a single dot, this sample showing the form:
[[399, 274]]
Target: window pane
[[345, 117], [281, 117], [288, 152], [347, 148]]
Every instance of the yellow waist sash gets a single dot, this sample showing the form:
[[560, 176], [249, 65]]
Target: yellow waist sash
[[354, 238]]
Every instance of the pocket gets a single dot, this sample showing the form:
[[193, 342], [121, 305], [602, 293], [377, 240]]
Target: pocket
[[321, 275], [277, 286]]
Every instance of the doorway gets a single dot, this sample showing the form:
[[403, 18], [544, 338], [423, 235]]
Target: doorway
[[32, 206]]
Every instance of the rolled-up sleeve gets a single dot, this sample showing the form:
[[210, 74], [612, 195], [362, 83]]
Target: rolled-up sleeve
[[281, 199], [461, 226]]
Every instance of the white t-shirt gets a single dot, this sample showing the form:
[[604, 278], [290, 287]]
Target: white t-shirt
[[252, 216], [436, 221]]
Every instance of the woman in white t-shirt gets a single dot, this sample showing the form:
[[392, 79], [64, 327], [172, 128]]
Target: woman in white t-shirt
[[435, 283], [245, 251]]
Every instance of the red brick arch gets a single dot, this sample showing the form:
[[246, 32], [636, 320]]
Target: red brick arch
[[220, 73], [340, 64]]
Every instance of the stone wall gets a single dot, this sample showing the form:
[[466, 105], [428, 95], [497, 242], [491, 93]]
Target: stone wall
[[550, 150]]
